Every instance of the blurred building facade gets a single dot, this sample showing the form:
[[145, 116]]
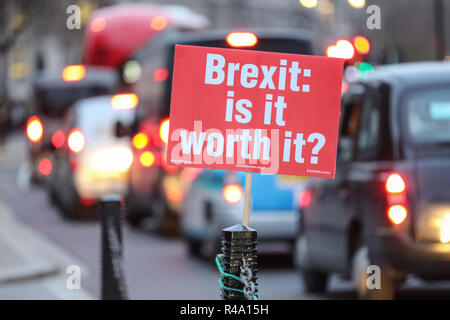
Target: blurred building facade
[[34, 35]]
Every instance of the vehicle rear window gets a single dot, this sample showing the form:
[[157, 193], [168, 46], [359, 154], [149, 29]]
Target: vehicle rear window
[[53, 102], [282, 45], [90, 111], [428, 116], [266, 44]]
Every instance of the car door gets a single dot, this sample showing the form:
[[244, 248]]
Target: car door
[[328, 239]]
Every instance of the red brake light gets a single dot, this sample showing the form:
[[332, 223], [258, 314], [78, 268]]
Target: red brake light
[[34, 129], [242, 39], [45, 167], [232, 193], [73, 73], [160, 74], [397, 214], [164, 130], [76, 141], [304, 198], [397, 204], [58, 139], [395, 183], [124, 101]]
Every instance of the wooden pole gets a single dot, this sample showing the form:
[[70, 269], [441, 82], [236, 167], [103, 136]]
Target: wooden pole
[[247, 198]]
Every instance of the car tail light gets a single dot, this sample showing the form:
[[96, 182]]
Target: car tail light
[[73, 164], [124, 101], [242, 39], [160, 75], [140, 140], [232, 193], [73, 73], [397, 204], [395, 183], [342, 49], [164, 130], [76, 141], [304, 199], [147, 159], [34, 129], [45, 167], [58, 139], [87, 202], [397, 214]]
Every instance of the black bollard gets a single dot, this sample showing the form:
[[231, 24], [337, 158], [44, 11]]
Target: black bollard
[[112, 278], [238, 263]]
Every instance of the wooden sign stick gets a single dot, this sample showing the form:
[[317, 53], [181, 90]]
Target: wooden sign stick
[[247, 198]]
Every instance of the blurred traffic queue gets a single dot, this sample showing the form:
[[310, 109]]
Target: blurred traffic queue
[[156, 190], [53, 95]]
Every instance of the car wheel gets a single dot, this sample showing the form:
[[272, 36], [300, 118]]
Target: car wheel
[[194, 247], [315, 281], [162, 219], [387, 282], [132, 215]]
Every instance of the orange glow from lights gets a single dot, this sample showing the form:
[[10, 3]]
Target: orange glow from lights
[[242, 39], [124, 101], [174, 194], [34, 129], [362, 45], [73, 73], [45, 167], [147, 159], [158, 23], [397, 214], [395, 183], [98, 24], [58, 139], [76, 141], [164, 130], [140, 140], [232, 193]]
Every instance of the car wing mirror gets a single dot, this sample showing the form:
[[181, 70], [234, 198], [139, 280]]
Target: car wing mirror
[[120, 130]]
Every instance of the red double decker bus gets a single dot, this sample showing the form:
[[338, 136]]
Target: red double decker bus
[[115, 33]]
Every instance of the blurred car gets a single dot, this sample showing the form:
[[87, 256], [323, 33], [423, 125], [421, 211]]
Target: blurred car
[[53, 94], [389, 205], [91, 161], [149, 195], [214, 201]]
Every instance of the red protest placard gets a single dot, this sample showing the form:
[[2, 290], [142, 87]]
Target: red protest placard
[[254, 111]]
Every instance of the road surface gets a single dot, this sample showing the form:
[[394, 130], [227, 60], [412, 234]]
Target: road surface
[[157, 267]]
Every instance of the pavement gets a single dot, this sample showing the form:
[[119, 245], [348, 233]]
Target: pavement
[[32, 266]]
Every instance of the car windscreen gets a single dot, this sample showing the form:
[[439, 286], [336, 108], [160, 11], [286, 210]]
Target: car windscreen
[[52, 102], [427, 114]]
